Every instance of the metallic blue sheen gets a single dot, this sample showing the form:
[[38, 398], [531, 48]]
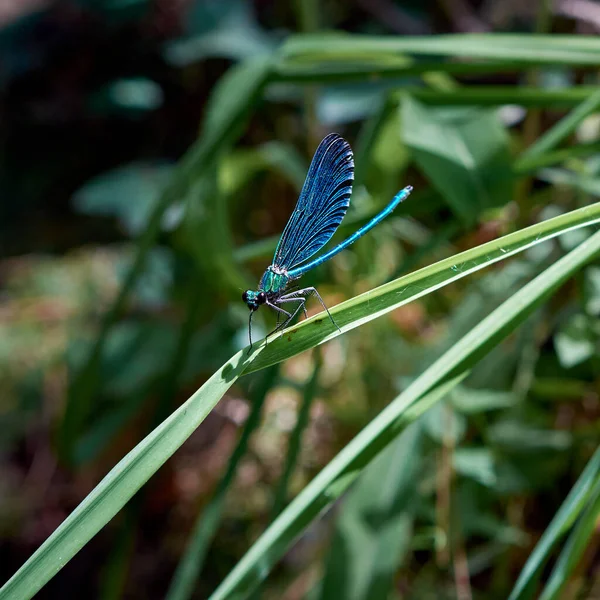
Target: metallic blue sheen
[[399, 197], [322, 204]]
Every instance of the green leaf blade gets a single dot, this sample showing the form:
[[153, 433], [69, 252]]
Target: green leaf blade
[[120, 484], [375, 303]]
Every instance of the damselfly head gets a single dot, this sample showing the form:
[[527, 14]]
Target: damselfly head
[[254, 299]]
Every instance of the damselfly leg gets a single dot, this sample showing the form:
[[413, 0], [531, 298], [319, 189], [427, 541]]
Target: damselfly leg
[[305, 294]]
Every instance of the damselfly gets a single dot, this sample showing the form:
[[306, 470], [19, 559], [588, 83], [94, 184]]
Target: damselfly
[[322, 204]]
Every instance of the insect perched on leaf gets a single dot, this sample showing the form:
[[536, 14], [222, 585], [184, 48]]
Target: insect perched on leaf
[[322, 204]]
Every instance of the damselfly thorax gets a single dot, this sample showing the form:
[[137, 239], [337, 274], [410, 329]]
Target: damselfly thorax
[[274, 280]]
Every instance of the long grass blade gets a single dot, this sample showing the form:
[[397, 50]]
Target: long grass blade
[[563, 520], [311, 58], [575, 547], [226, 114], [373, 530], [190, 565], [121, 483], [143, 461], [335, 478], [555, 135], [377, 302]]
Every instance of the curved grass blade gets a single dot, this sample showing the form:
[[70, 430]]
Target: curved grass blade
[[373, 530], [322, 57], [563, 520], [143, 461], [190, 564], [555, 135], [574, 548], [471, 151], [228, 109], [335, 478], [385, 298], [121, 483]]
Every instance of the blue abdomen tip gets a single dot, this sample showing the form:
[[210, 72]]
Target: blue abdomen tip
[[403, 193]]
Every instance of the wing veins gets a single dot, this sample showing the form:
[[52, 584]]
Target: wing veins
[[322, 204]]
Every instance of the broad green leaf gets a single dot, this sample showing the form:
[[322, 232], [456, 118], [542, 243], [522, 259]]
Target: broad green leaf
[[444, 425], [129, 193], [475, 463], [575, 342], [463, 154], [341, 472]]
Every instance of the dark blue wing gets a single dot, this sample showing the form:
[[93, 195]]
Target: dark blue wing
[[322, 204]]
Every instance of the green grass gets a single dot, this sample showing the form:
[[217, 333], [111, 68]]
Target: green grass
[[469, 173], [148, 456]]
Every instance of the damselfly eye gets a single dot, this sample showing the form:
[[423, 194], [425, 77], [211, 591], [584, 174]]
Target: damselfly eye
[[261, 298], [245, 297]]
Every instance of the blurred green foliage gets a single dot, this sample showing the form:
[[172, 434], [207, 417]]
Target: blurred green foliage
[[150, 155]]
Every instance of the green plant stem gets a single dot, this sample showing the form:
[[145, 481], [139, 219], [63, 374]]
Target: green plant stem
[[553, 157], [492, 95], [575, 547]]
